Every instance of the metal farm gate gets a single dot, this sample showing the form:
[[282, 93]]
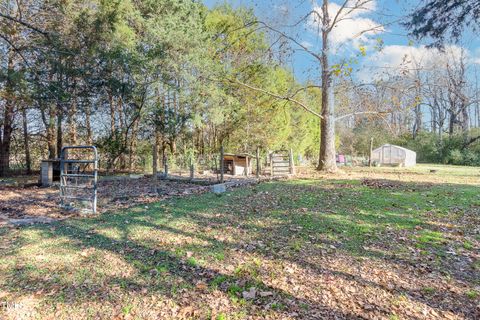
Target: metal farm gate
[[281, 163], [78, 176]]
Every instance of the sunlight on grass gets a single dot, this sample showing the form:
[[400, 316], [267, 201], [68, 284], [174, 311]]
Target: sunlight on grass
[[255, 237]]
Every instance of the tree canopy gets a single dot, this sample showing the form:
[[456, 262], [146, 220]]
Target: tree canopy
[[125, 75], [444, 19], [119, 74]]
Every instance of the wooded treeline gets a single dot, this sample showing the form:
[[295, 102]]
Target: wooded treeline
[[125, 75], [435, 109]]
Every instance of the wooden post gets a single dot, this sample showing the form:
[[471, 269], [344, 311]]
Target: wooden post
[[192, 169], [154, 165], [165, 165], [371, 151], [258, 162], [292, 163], [155, 160], [222, 164], [271, 164], [215, 160]]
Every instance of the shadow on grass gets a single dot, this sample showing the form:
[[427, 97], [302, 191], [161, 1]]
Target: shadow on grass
[[349, 218], [146, 259]]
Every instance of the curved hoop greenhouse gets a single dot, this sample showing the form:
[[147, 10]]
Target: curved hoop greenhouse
[[392, 155]]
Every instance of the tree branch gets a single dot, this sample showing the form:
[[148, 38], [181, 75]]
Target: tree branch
[[334, 22], [361, 112], [26, 24], [304, 89], [15, 49], [266, 26], [469, 142], [286, 98]]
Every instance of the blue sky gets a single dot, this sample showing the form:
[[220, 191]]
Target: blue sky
[[382, 15]]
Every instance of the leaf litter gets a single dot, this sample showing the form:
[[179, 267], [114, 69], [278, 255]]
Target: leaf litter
[[316, 249]]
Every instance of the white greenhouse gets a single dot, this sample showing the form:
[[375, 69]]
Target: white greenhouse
[[391, 155]]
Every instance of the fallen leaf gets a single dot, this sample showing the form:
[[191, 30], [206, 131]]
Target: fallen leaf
[[249, 295]]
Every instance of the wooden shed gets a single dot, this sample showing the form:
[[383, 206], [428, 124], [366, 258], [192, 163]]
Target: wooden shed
[[237, 164]]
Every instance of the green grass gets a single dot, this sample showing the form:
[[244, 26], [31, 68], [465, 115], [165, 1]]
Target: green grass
[[245, 238], [472, 294]]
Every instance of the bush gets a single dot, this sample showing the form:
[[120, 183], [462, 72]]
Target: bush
[[455, 157], [430, 148], [426, 145], [471, 158], [465, 157], [449, 150]]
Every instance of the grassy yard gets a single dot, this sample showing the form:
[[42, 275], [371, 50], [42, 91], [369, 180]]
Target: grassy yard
[[334, 247]]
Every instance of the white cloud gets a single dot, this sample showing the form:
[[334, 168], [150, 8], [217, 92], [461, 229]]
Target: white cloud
[[397, 58], [410, 56], [353, 25]]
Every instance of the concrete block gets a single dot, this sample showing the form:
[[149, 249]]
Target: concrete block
[[30, 221], [219, 188], [46, 173]]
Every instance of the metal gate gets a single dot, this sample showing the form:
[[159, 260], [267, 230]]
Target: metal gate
[[78, 176], [281, 163]]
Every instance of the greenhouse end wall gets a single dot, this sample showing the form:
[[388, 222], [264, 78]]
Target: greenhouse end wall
[[391, 155]]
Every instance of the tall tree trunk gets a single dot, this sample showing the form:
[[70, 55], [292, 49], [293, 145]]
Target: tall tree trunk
[[26, 142], [133, 146], [451, 123], [435, 116], [477, 110], [121, 121], [417, 127], [51, 141], [59, 130], [435, 127], [465, 124], [465, 120], [112, 113], [155, 150], [164, 153], [72, 124], [88, 125], [8, 118], [327, 124], [173, 146]]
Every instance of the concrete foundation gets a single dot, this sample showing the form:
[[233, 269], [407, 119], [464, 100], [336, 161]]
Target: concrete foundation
[[219, 188], [46, 173]]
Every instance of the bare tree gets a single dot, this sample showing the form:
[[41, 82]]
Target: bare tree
[[325, 20]]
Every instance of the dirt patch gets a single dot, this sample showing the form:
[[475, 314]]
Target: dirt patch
[[18, 203], [21, 202], [113, 194]]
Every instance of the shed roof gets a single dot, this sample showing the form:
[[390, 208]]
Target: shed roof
[[238, 155], [393, 145]]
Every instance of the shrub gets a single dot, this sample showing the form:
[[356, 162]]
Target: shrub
[[429, 146], [455, 157]]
